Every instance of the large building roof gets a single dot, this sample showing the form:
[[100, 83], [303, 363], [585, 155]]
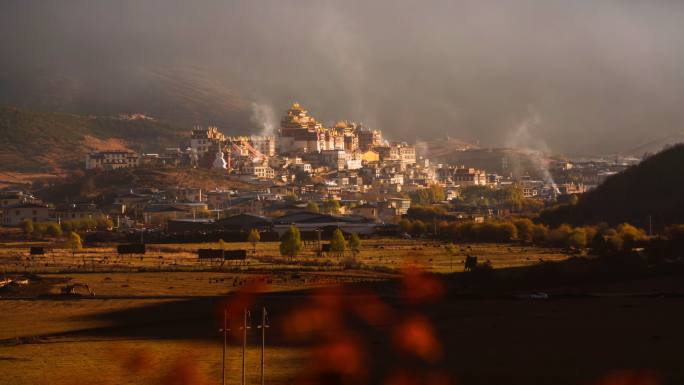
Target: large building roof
[[162, 209], [309, 217], [26, 206], [244, 220]]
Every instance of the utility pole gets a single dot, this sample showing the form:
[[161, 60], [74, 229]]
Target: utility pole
[[244, 343], [320, 247], [650, 225], [225, 331], [263, 327]]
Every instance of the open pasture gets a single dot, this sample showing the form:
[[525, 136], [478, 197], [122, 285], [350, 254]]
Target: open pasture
[[380, 255], [78, 336]]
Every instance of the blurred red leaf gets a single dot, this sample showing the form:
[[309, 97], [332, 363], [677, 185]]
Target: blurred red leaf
[[419, 287], [415, 335], [630, 377]]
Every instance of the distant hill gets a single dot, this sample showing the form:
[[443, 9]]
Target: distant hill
[[32, 141], [503, 161], [442, 147], [654, 188], [184, 96], [655, 145], [104, 185]]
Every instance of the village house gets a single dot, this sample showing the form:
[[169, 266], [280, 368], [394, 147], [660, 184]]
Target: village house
[[190, 194], [305, 167], [111, 160], [12, 198], [160, 214], [133, 203], [194, 209], [77, 211], [259, 171], [14, 215], [469, 177], [217, 200], [401, 204], [335, 159], [452, 192], [366, 210]]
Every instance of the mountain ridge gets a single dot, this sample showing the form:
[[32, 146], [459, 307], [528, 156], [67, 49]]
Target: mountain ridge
[[36, 141]]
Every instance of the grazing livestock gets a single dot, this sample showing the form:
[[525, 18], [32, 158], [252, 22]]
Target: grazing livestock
[[37, 250], [470, 263]]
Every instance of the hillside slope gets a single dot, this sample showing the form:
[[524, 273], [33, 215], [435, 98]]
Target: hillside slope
[[655, 145], [654, 188], [50, 142], [104, 185], [503, 161], [186, 95]]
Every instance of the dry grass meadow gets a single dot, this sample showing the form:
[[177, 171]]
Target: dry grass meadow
[[48, 338], [155, 320]]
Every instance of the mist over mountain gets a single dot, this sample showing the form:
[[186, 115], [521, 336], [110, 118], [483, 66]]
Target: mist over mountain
[[575, 77]]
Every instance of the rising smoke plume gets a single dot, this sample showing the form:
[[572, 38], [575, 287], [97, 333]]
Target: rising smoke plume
[[265, 118], [526, 138]]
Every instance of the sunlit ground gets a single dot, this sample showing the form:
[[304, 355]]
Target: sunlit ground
[[376, 255], [159, 325]]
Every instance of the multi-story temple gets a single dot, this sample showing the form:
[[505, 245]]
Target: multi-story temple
[[206, 143], [300, 132], [344, 145], [205, 140]]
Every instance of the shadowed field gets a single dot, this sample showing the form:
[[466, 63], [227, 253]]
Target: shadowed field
[[354, 327]]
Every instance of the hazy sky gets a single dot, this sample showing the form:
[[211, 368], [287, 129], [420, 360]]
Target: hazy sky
[[576, 76]]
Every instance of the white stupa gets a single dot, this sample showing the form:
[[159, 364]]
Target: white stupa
[[219, 162]]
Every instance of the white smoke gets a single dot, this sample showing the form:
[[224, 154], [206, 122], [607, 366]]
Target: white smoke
[[422, 148], [264, 117], [525, 139]]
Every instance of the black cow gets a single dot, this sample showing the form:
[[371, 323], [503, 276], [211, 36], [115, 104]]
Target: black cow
[[470, 263], [37, 250]]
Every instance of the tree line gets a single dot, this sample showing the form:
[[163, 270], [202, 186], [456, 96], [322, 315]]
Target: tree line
[[55, 229], [601, 238], [291, 243], [474, 197]]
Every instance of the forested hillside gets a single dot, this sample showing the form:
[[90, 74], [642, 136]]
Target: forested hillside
[[32, 141], [654, 188]]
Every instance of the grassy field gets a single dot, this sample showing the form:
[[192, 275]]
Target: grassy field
[[74, 360], [376, 254], [155, 321], [55, 345], [482, 342]]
